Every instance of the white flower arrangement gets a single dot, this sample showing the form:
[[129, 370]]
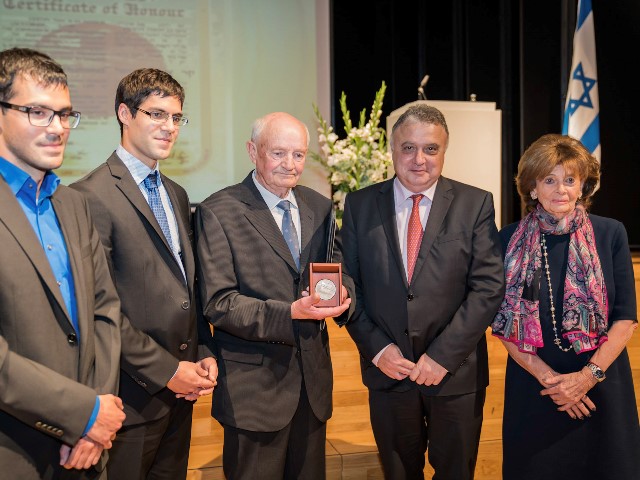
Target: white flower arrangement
[[358, 160]]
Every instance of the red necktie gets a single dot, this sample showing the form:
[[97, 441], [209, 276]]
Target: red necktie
[[414, 235]]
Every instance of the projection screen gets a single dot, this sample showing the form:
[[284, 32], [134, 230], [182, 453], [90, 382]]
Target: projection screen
[[236, 59]]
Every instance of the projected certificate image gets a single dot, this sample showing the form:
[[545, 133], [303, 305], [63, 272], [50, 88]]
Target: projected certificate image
[[235, 60]]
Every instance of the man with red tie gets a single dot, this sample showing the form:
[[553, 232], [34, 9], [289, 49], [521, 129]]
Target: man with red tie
[[424, 254]]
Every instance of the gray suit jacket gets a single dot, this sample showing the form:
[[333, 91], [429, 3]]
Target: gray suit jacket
[[248, 282], [457, 286], [49, 380], [155, 295]]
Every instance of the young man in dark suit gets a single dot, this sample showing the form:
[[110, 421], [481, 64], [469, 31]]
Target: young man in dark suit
[[424, 254], [61, 331], [254, 244], [144, 222]]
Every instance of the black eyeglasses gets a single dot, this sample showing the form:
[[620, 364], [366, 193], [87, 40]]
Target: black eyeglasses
[[161, 117], [42, 116]]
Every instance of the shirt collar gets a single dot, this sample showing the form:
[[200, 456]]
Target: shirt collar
[[16, 178], [139, 171], [402, 194], [270, 198]]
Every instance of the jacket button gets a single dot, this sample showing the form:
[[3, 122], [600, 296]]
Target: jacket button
[[185, 305], [410, 297], [183, 346], [296, 280], [72, 338], [406, 332]]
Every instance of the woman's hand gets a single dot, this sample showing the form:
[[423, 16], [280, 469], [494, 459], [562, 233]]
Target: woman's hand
[[568, 389], [579, 410]]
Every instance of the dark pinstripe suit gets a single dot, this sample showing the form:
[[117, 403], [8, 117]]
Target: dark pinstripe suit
[[248, 280]]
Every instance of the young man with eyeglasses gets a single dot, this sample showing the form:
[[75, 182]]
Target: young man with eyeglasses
[[59, 338], [61, 331], [144, 222]]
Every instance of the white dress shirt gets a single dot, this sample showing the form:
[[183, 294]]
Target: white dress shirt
[[403, 206], [272, 201]]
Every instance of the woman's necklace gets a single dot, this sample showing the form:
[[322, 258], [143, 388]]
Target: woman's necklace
[[557, 340]]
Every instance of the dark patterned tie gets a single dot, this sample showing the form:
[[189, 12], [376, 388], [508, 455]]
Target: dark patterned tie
[[155, 202], [289, 231], [414, 235]]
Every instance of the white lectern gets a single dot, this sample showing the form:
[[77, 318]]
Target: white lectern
[[474, 153]]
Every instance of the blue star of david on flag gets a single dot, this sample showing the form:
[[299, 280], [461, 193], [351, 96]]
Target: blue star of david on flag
[[587, 84], [582, 108]]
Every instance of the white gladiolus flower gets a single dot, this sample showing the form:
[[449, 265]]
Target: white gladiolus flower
[[357, 160]]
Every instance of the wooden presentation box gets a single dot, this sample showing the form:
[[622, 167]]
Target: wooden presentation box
[[326, 280]]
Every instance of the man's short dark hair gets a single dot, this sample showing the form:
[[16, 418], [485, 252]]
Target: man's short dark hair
[[28, 63], [136, 87]]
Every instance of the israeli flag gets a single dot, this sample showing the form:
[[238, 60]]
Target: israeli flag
[[582, 110]]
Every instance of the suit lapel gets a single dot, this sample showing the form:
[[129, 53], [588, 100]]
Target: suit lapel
[[442, 199], [183, 232], [13, 217], [125, 183], [306, 225], [261, 218], [69, 226], [386, 207]]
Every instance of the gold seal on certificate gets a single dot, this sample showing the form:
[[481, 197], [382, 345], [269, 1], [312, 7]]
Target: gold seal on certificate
[[325, 279], [326, 289]]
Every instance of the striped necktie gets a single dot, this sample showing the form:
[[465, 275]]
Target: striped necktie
[[289, 231], [414, 235], [155, 202]]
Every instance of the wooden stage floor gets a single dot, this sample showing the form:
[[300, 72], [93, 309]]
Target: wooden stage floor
[[351, 450]]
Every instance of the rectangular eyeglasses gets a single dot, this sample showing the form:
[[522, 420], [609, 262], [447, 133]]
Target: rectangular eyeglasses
[[43, 116]]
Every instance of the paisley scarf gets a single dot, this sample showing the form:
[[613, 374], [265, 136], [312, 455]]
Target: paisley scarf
[[584, 303]]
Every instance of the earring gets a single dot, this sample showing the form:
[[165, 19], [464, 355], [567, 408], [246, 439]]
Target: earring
[[534, 195]]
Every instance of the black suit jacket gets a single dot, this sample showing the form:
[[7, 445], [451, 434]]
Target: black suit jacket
[[457, 286], [249, 280], [155, 295]]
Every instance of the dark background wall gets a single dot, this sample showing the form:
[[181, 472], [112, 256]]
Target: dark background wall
[[515, 53]]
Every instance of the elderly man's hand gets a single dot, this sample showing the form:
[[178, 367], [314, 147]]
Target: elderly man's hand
[[305, 308]]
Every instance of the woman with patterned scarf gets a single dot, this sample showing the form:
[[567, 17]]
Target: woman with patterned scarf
[[568, 312]]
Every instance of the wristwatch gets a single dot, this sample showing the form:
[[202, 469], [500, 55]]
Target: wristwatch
[[597, 372]]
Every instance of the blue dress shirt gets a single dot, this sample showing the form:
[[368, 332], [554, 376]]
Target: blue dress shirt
[[39, 211]]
